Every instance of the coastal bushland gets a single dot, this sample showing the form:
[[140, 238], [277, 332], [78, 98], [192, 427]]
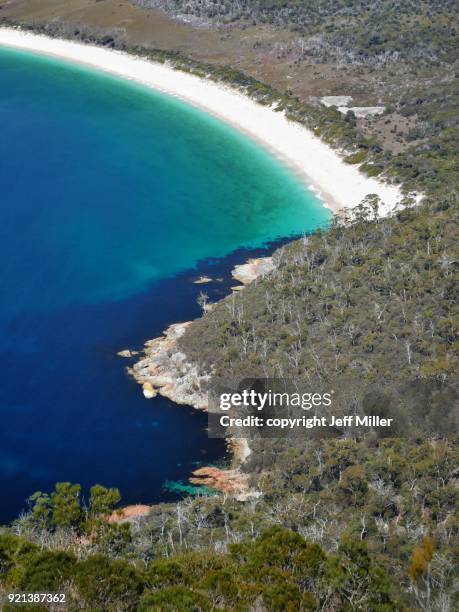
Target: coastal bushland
[[349, 523], [372, 31]]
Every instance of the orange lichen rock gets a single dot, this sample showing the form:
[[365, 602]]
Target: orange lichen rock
[[226, 481], [129, 513]]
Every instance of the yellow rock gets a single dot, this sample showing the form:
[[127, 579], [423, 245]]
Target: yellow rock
[[148, 390]]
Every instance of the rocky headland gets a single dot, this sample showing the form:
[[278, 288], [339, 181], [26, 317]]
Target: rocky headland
[[165, 370]]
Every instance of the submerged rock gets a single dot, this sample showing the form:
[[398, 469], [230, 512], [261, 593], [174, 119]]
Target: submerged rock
[[202, 279]]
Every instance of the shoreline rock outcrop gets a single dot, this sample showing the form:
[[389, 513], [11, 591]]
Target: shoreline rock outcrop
[[233, 482], [165, 370], [246, 273], [128, 514]]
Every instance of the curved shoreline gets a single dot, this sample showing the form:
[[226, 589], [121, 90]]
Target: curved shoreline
[[163, 369], [337, 184]]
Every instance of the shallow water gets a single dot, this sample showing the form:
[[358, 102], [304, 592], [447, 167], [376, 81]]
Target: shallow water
[[110, 194]]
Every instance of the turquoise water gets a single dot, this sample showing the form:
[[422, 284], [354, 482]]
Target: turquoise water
[[109, 193]]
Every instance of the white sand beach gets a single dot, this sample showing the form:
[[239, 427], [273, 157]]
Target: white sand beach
[[337, 184]]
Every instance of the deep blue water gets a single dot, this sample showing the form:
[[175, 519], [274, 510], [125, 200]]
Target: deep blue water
[[112, 199]]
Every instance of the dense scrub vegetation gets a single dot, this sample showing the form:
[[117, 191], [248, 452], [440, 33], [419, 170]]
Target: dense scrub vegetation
[[360, 30], [278, 570], [370, 298], [368, 308], [341, 525]]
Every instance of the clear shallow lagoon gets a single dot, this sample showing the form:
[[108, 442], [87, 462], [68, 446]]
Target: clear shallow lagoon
[[111, 198]]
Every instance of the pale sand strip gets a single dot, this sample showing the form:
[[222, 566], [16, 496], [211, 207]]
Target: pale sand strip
[[336, 183]]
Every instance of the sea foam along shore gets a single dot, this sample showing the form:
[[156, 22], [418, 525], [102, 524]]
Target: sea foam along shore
[[337, 184]]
